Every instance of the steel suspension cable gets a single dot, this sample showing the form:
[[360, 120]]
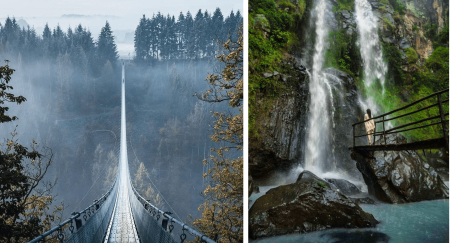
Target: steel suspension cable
[[132, 148]]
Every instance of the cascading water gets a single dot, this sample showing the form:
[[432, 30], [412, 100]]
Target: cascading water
[[318, 139], [371, 53]]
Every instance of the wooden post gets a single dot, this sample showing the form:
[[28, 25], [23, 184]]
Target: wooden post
[[353, 135], [441, 111], [384, 134]]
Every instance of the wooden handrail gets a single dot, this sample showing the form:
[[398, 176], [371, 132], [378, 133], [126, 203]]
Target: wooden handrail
[[385, 132]]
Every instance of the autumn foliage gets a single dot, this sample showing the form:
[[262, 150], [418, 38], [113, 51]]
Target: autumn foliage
[[222, 211]]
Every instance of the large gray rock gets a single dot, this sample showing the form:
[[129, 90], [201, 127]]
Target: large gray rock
[[344, 186], [250, 185], [363, 200], [308, 205], [399, 176]]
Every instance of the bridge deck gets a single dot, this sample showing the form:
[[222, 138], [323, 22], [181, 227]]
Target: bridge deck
[[123, 228], [436, 143]]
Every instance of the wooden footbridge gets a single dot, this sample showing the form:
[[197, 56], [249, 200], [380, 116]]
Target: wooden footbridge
[[433, 120]]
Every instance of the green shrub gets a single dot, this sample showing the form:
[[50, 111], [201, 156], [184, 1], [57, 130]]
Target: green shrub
[[344, 5], [399, 7], [393, 58], [387, 24], [443, 35], [344, 54], [412, 55]]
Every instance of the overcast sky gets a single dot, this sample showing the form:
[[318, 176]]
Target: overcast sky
[[121, 14], [121, 8]]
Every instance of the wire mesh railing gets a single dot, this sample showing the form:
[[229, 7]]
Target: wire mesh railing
[[150, 230], [88, 225]]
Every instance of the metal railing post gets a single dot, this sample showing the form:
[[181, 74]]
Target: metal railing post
[[374, 131], [441, 112], [353, 135], [384, 133]]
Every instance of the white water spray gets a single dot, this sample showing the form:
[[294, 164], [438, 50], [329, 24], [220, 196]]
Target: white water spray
[[370, 48], [318, 142]]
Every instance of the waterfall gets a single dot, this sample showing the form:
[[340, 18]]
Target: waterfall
[[318, 138], [371, 53]]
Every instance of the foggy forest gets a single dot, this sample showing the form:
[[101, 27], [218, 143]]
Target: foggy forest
[[71, 81]]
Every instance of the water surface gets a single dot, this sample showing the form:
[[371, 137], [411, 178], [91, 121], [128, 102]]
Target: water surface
[[426, 221]]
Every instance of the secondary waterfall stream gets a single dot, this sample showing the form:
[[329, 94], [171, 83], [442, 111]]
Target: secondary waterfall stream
[[371, 53]]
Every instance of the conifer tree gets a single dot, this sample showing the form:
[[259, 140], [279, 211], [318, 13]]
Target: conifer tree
[[106, 47], [181, 43], [141, 40]]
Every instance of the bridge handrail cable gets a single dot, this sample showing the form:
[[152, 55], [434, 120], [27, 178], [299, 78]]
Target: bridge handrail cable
[[76, 215], [145, 202]]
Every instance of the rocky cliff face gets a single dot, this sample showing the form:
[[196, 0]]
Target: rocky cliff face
[[282, 129], [409, 29]]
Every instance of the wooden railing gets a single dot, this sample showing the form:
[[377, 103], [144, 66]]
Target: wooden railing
[[383, 119]]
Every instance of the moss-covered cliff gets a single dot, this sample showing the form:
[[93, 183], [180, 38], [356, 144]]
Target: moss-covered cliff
[[414, 39]]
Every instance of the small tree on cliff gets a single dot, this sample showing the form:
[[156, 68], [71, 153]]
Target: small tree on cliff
[[25, 198], [222, 211]]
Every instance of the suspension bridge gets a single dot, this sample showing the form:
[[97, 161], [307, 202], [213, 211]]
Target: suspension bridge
[[437, 120], [121, 214]]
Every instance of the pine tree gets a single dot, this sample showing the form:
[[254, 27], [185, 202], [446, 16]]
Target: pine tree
[[141, 41], [172, 37], [190, 36], [181, 39], [106, 47], [198, 34], [215, 28]]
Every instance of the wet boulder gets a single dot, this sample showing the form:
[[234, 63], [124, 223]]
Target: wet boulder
[[363, 200], [344, 186], [399, 176], [250, 186], [310, 204]]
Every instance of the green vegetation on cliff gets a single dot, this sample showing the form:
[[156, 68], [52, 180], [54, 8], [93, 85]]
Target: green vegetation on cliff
[[412, 79], [272, 26], [345, 54]]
